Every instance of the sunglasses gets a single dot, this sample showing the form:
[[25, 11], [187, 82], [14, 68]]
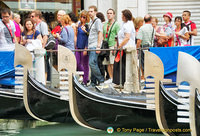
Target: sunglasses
[[5, 16], [83, 17]]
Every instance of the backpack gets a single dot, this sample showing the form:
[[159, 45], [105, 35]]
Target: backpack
[[51, 42], [187, 26]]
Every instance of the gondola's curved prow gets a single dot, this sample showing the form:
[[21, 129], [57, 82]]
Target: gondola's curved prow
[[194, 112], [153, 66], [23, 57], [67, 61], [190, 66]]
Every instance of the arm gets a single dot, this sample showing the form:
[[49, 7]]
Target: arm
[[172, 44], [15, 39], [193, 32], [100, 37], [40, 38], [125, 41], [63, 38], [185, 36], [139, 43], [44, 33], [45, 38], [75, 35]]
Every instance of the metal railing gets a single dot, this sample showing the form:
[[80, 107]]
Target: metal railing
[[88, 50]]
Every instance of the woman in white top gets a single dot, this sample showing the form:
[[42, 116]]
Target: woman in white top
[[181, 33], [126, 37]]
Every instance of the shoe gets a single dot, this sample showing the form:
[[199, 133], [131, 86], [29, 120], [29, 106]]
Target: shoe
[[101, 84], [93, 84], [80, 79], [109, 81], [118, 87]]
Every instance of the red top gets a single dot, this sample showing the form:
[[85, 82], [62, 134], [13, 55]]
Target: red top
[[57, 29], [193, 25]]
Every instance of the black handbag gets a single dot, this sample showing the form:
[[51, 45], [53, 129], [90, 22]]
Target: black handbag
[[106, 46]]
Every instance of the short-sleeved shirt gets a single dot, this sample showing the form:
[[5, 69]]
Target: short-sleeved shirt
[[42, 28], [127, 27], [31, 36], [182, 41], [6, 41], [93, 34], [113, 32], [146, 34], [192, 26], [82, 38]]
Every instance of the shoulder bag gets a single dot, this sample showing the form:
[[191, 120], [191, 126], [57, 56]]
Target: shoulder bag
[[105, 45]]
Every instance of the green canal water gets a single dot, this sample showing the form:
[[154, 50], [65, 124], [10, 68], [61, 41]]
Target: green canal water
[[38, 128]]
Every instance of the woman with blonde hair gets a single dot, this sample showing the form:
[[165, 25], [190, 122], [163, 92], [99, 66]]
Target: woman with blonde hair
[[82, 43], [66, 36], [138, 22], [159, 32]]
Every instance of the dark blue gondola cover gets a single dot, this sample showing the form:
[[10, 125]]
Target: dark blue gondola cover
[[7, 71], [169, 57]]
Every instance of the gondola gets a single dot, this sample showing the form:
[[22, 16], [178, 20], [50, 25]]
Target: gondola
[[172, 111], [11, 102], [195, 112], [101, 108], [12, 106], [48, 104]]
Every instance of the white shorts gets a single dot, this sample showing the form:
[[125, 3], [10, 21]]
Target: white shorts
[[111, 58]]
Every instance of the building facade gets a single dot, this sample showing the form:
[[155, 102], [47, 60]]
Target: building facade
[[138, 7], [156, 8]]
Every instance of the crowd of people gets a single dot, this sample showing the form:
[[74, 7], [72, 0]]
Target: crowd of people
[[91, 30]]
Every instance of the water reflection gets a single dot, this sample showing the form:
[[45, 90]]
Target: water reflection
[[38, 128]]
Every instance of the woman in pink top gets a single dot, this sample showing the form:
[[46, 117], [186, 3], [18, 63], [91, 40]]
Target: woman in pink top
[[18, 26]]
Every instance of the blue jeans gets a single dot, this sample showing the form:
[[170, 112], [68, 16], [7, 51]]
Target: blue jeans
[[95, 72]]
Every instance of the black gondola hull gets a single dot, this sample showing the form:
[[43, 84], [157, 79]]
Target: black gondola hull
[[46, 104], [197, 113], [102, 113], [169, 105], [12, 106]]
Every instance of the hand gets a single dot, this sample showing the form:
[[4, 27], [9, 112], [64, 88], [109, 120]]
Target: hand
[[84, 29], [113, 53], [84, 53], [177, 33], [58, 36], [28, 41], [98, 51], [54, 35]]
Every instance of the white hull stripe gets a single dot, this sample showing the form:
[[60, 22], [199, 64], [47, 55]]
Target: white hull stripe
[[63, 77], [183, 107], [184, 94], [183, 120], [183, 100], [184, 88], [183, 113]]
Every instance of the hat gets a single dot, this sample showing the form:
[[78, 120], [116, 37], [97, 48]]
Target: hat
[[168, 14]]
